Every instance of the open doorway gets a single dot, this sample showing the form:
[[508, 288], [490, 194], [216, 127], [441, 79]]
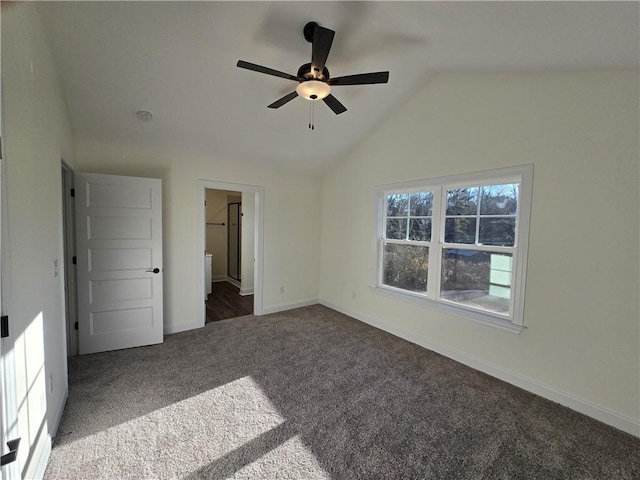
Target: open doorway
[[231, 240], [229, 254]]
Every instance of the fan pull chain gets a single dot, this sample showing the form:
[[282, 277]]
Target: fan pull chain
[[312, 113]]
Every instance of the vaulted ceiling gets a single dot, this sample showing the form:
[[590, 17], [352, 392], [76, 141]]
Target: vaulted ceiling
[[178, 61]]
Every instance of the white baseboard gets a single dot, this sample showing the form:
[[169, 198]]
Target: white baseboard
[[289, 306], [41, 466], [59, 413], [182, 327], [568, 400], [44, 445], [41, 454], [219, 278], [246, 291]]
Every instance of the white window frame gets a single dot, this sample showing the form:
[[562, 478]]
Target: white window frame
[[514, 320]]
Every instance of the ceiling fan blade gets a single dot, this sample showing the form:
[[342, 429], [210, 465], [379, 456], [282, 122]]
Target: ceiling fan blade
[[334, 104], [283, 100], [322, 40], [361, 79], [268, 71]]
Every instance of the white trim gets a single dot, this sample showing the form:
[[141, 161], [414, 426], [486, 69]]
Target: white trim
[[449, 308], [182, 327], [69, 293], [43, 458], [259, 192], [504, 174], [219, 278], [581, 405], [289, 306], [58, 418], [233, 282], [246, 291]]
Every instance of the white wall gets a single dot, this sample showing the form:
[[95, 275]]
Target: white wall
[[248, 242], [36, 135], [581, 132], [291, 235]]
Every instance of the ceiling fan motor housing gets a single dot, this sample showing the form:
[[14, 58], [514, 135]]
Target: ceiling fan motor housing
[[305, 72]]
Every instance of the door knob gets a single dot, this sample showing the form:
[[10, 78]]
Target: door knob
[[155, 270]]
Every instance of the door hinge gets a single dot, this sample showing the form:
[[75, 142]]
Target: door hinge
[[75, 325], [4, 326], [74, 260], [73, 192]]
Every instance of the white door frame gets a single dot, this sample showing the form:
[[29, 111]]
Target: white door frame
[[69, 249], [258, 267], [9, 427]]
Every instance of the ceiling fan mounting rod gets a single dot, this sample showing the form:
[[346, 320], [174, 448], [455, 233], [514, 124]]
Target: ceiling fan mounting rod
[[308, 31]]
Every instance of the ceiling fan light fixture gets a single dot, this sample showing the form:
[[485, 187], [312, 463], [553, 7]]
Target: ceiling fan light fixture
[[313, 90]]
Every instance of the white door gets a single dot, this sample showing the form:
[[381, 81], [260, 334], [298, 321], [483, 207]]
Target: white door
[[119, 258], [9, 425]]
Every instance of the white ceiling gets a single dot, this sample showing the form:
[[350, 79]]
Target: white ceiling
[[178, 60]]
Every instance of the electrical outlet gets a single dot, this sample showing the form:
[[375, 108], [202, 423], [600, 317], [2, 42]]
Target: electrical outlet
[[51, 383], [56, 268], [353, 294], [282, 289]]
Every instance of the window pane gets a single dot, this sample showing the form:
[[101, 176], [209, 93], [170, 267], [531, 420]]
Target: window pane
[[478, 279], [421, 204], [397, 205], [397, 228], [405, 267], [420, 229], [462, 201], [460, 230], [499, 199], [498, 231]]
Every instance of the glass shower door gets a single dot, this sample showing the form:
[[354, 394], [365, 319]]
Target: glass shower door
[[234, 239]]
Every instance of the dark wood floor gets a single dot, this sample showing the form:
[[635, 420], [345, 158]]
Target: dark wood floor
[[225, 301]]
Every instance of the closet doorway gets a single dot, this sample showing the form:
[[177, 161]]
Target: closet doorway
[[231, 237]]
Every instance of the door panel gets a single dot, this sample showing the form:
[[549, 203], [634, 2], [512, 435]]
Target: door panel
[[119, 250]]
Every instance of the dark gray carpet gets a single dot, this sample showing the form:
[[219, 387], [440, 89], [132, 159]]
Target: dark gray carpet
[[311, 393]]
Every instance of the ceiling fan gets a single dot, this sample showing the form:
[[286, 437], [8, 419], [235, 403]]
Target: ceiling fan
[[314, 80]]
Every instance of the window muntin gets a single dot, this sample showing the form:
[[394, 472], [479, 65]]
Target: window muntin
[[408, 216], [406, 240], [482, 215], [457, 242]]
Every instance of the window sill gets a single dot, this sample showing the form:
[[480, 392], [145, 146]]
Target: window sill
[[442, 307]]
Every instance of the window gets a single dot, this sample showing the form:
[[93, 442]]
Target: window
[[458, 242]]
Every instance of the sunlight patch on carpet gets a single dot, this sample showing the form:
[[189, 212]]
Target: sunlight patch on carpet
[[199, 433], [292, 459]]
